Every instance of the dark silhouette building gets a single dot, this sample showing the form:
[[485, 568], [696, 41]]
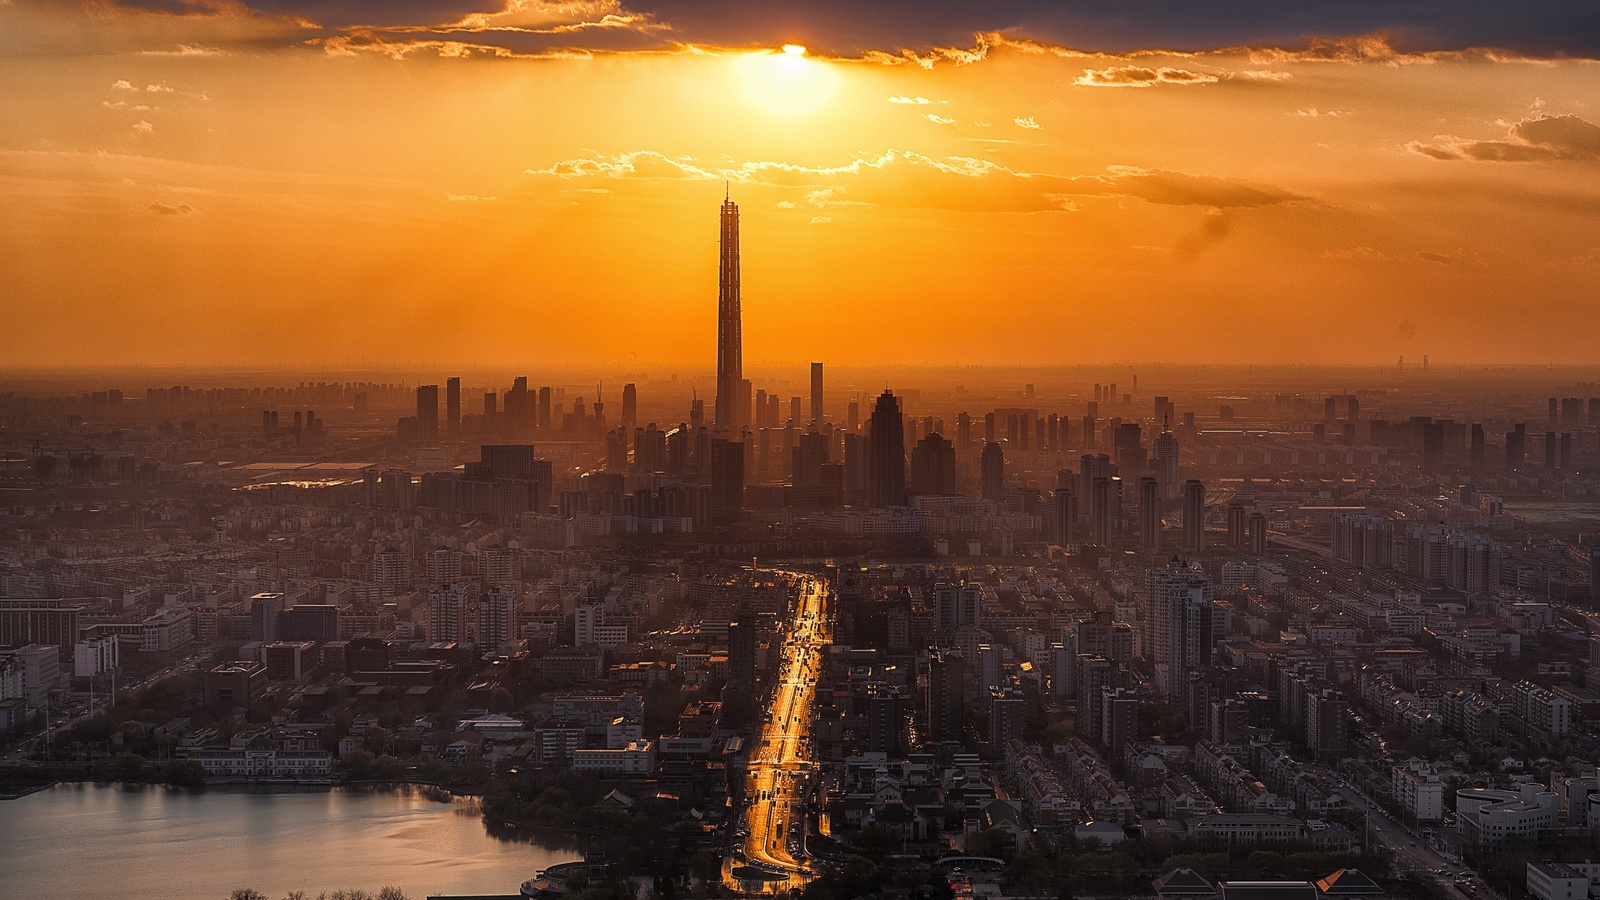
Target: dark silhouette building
[[887, 468], [933, 466], [428, 412], [732, 409], [992, 468], [1194, 516]]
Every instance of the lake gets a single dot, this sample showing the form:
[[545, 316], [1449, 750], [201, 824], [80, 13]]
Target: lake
[[152, 842]]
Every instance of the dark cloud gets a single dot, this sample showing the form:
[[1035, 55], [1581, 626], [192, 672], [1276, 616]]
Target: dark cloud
[[1542, 27], [1536, 138]]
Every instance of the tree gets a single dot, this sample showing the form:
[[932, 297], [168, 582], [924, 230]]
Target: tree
[[390, 892], [246, 894]]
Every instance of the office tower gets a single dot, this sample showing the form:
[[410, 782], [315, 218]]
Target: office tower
[[732, 409], [452, 407], [816, 395], [727, 478], [1149, 513], [1550, 450], [945, 693], [630, 405], [1553, 417], [1516, 447], [497, 617], [1064, 516], [1194, 516], [542, 419], [742, 653], [887, 472], [853, 416], [584, 619], [1256, 527], [857, 465], [1565, 459], [885, 721], [1182, 625], [1166, 456], [489, 425], [933, 466], [1236, 526], [428, 412], [1089, 440], [1477, 447], [993, 469], [963, 431]]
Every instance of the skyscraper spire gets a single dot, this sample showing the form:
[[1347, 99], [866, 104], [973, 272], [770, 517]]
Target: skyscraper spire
[[732, 408]]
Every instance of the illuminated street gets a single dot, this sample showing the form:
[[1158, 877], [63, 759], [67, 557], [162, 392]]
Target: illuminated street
[[772, 831]]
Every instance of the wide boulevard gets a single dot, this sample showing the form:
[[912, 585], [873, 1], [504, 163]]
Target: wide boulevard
[[771, 832]]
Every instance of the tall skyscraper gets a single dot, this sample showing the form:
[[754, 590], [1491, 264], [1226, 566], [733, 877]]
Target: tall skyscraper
[[732, 411], [1194, 516], [816, 396], [1149, 513], [452, 407], [428, 412], [933, 466], [630, 405], [946, 689], [887, 471]]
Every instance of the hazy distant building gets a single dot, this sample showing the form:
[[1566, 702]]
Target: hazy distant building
[[992, 467], [1149, 513], [428, 412], [452, 407], [630, 405], [933, 466], [816, 395]]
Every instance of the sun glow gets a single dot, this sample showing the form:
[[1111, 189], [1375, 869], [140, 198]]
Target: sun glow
[[787, 82]]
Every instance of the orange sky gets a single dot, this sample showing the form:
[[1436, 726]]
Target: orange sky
[[222, 189]]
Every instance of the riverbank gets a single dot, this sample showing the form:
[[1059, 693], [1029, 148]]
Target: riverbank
[[160, 841]]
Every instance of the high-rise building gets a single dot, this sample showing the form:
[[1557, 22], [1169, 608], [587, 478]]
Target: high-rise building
[[452, 407], [742, 653], [1236, 526], [630, 405], [945, 695], [727, 478], [1182, 625], [993, 468], [1194, 516], [1256, 527], [1149, 512], [497, 617], [816, 396], [448, 613], [1064, 516], [887, 471], [956, 605], [428, 412], [933, 466], [733, 410], [1166, 457], [1105, 499]]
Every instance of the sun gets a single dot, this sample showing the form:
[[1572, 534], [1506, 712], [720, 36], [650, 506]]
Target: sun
[[787, 82]]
